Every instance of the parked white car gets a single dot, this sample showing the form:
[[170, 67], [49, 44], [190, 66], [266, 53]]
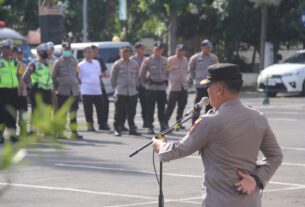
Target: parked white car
[[108, 50], [285, 77]]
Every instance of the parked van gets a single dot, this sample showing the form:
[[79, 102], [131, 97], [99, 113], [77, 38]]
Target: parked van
[[108, 50], [19, 41]]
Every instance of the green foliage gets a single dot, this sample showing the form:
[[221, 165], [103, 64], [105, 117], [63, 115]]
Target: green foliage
[[20, 15], [45, 128], [232, 25]]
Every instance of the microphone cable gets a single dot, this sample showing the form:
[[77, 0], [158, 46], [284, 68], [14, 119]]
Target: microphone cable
[[156, 174]]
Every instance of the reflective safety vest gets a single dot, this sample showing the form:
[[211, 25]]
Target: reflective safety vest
[[42, 76], [8, 74]]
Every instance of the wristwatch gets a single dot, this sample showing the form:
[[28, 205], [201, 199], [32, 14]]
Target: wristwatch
[[258, 181]]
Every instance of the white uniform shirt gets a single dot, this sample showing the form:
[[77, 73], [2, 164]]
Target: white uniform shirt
[[90, 77]]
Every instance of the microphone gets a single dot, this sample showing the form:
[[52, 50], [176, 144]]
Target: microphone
[[198, 106]]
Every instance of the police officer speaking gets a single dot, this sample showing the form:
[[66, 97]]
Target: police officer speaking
[[229, 141]]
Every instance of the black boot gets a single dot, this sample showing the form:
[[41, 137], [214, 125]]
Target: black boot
[[2, 140], [14, 138], [117, 132], [134, 132], [124, 129], [76, 135]]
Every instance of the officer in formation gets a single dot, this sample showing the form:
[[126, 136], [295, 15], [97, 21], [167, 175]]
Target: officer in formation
[[8, 91], [139, 58], [178, 86], [229, 141], [198, 68], [51, 57], [124, 77], [38, 76], [154, 77], [22, 92], [66, 85]]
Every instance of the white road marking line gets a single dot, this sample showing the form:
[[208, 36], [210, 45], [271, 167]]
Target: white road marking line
[[293, 148], [288, 184], [134, 204], [284, 189], [284, 163], [166, 174], [77, 190], [126, 170], [282, 119], [293, 164], [184, 200]]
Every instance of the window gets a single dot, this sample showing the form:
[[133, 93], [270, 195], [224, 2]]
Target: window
[[296, 58], [110, 55]]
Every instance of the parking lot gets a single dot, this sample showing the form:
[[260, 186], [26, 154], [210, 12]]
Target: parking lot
[[97, 171]]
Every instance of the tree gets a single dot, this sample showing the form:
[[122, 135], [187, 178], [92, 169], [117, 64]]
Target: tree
[[165, 12], [20, 15]]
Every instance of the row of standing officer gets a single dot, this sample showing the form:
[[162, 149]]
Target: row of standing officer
[[154, 73], [13, 86], [153, 78], [55, 80]]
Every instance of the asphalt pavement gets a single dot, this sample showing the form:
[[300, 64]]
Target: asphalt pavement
[[97, 171]]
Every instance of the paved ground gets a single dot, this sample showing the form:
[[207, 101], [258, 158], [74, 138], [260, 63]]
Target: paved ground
[[97, 171]]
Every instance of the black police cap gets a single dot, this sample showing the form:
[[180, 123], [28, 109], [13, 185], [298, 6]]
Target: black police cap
[[139, 45], [158, 45], [206, 43], [180, 47], [66, 45], [222, 72]]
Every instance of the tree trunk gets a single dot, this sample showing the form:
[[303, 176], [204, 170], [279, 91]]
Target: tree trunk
[[172, 32], [253, 60]]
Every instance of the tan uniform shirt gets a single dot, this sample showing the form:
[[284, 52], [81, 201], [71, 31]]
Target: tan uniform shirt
[[52, 60], [177, 73], [198, 66], [153, 73], [124, 77], [139, 60], [228, 140], [65, 77]]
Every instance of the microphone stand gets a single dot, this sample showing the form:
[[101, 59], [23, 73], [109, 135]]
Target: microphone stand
[[177, 125], [161, 134]]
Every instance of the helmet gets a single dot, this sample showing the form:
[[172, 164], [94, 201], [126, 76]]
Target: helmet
[[51, 45], [7, 43], [43, 47], [42, 50]]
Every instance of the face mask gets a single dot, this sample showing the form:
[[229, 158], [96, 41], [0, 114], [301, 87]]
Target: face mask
[[44, 55], [67, 53]]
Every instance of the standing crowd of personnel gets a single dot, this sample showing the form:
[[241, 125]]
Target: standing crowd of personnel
[[228, 138], [132, 77]]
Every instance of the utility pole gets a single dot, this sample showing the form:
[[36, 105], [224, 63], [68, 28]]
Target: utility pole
[[85, 20], [264, 9]]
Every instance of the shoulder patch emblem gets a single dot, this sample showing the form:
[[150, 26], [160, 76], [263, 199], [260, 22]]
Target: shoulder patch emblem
[[195, 124]]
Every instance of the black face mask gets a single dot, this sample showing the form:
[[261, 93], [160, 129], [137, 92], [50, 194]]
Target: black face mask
[[43, 55]]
